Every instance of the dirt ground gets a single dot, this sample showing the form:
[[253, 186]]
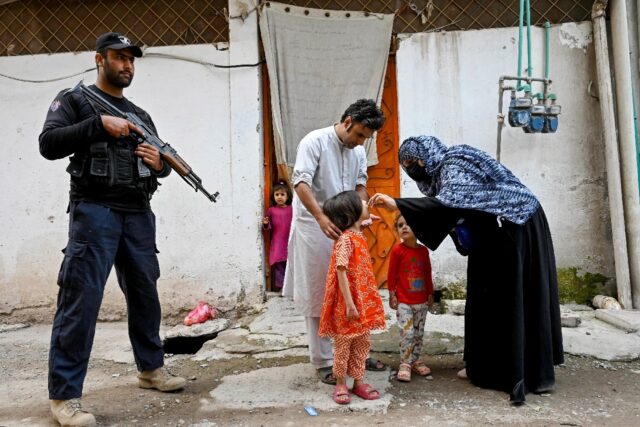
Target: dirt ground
[[588, 392]]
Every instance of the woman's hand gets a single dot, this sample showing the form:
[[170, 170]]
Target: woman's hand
[[369, 221], [380, 200]]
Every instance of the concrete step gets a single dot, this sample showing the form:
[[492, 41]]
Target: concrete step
[[627, 320]]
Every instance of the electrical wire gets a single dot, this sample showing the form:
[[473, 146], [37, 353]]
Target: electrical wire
[[196, 61], [150, 54], [47, 80]]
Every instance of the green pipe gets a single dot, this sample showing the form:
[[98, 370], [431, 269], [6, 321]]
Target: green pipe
[[529, 67], [547, 26], [520, 24]]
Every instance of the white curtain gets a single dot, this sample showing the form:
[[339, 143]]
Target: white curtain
[[319, 62]]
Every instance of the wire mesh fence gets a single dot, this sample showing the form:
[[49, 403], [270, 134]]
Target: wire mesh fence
[[415, 16], [52, 26]]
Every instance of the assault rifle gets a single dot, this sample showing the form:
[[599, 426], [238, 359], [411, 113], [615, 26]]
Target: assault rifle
[[166, 151]]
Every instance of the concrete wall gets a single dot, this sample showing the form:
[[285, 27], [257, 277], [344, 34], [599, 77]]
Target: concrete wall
[[448, 87], [211, 116]]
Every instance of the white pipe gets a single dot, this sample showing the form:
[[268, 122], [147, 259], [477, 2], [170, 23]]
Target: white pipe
[[627, 142], [612, 158]]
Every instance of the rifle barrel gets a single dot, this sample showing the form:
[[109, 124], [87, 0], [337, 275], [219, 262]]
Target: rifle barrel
[[197, 186]]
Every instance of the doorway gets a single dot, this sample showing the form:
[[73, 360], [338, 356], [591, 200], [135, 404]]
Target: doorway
[[383, 177]]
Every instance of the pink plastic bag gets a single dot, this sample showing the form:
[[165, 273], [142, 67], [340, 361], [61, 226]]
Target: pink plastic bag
[[200, 314]]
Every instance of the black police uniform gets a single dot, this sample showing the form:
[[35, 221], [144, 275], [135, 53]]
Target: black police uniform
[[110, 223]]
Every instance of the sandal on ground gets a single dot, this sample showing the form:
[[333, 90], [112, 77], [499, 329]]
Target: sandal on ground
[[462, 374], [374, 365], [366, 392], [404, 372], [341, 395], [420, 368], [326, 375]]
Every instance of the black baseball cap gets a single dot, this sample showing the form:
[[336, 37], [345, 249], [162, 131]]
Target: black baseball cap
[[117, 41]]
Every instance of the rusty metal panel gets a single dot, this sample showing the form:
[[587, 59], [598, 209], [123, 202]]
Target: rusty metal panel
[[52, 26], [414, 16]]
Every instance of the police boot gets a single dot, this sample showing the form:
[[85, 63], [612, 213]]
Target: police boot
[[70, 413], [160, 379]]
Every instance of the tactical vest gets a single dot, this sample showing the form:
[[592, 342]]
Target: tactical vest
[[110, 163]]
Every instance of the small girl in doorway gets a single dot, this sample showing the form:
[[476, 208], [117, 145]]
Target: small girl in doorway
[[278, 221], [411, 294], [352, 306]]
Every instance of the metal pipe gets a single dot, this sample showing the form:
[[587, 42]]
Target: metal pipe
[[620, 254], [520, 24], [545, 93], [529, 65], [501, 90], [627, 142], [500, 120], [547, 27], [527, 79]]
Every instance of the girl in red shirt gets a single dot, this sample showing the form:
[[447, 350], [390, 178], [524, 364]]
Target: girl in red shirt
[[352, 306], [411, 294]]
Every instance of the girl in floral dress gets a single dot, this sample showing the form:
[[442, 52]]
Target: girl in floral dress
[[352, 306]]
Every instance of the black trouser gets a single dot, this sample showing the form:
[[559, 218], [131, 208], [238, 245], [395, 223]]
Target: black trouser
[[99, 238]]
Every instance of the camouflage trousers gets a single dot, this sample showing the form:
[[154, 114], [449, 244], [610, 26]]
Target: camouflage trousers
[[411, 320]]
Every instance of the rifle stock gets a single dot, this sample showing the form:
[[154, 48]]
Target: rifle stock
[[177, 164], [167, 152]]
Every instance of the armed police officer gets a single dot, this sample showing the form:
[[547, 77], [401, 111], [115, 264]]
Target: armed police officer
[[110, 223]]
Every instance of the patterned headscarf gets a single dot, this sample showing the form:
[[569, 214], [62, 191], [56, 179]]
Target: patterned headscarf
[[468, 178]]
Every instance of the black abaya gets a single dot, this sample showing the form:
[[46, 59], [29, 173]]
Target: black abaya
[[512, 317]]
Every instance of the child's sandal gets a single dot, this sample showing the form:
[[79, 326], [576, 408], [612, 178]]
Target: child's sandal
[[366, 392], [404, 372], [420, 368], [341, 395]]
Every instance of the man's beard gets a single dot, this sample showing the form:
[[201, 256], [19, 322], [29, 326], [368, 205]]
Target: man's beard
[[114, 78]]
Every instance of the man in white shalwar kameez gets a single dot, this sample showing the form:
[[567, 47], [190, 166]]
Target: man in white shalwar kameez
[[328, 161]]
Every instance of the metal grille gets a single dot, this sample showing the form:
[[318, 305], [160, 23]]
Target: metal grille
[[423, 15], [51, 26]]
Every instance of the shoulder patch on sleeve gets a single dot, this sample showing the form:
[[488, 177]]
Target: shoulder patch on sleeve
[[54, 105]]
